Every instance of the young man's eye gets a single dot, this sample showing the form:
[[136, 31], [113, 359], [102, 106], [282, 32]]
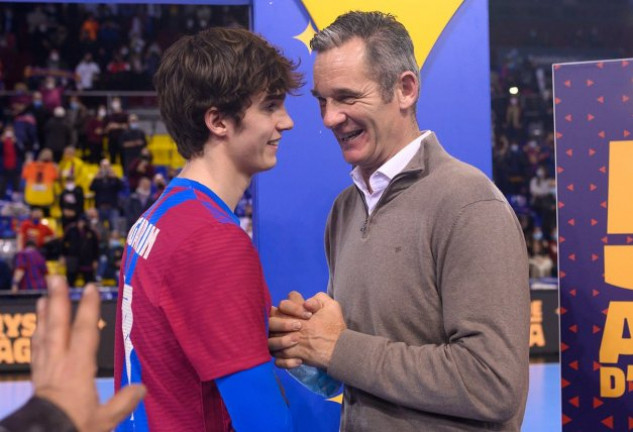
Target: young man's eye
[[271, 106]]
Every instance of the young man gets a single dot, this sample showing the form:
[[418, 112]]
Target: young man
[[193, 304], [427, 317]]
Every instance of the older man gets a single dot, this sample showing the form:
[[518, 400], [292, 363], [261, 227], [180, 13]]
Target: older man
[[427, 313]]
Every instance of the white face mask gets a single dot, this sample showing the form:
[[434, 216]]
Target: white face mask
[[116, 105], [70, 185], [101, 113]]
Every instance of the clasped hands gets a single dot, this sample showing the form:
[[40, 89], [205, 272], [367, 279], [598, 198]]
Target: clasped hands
[[305, 331]]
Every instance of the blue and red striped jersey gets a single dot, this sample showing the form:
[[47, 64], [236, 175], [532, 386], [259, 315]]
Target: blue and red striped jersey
[[193, 306]]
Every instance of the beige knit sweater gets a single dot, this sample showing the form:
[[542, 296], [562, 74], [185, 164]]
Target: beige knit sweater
[[434, 290]]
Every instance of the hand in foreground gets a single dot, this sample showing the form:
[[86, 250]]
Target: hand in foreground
[[295, 341], [64, 361]]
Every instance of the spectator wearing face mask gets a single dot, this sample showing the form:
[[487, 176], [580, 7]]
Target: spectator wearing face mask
[[543, 198], [25, 127], [41, 114], [138, 201], [133, 140], [32, 229], [115, 124], [52, 93], [516, 168], [103, 234], [141, 167], [107, 186], [94, 136], [71, 202], [11, 160], [77, 116], [159, 186], [58, 133], [80, 251]]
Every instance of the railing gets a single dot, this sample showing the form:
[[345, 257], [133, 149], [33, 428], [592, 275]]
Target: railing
[[142, 103]]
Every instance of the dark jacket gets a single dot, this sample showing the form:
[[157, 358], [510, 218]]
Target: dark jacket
[[37, 415], [106, 191], [58, 134]]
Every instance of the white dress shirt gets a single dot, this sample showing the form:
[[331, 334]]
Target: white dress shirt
[[380, 179]]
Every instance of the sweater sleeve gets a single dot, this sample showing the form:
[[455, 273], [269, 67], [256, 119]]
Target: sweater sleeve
[[481, 371], [37, 415]]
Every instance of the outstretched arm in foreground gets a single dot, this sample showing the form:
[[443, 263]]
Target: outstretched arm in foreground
[[64, 367]]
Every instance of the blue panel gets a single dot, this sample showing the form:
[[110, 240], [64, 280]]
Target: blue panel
[[455, 94], [291, 202]]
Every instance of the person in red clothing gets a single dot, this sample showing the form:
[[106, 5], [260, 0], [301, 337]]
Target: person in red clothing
[[33, 229], [30, 269], [11, 159]]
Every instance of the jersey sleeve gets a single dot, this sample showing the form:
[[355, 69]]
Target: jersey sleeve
[[20, 261], [216, 301]]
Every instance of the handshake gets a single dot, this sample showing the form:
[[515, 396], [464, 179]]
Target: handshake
[[305, 331]]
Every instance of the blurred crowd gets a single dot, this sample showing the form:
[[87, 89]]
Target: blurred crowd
[[71, 196], [523, 154], [76, 170], [80, 165], [91, 46]]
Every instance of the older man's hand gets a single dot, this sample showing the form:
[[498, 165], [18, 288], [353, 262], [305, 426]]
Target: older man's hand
[[296, 339]]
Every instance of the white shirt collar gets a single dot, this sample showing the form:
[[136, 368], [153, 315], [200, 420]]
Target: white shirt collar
[[380, 179]]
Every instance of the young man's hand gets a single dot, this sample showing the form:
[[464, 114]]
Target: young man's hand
[[305, 332]]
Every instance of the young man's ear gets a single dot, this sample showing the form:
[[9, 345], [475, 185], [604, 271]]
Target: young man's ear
[[216, 122]]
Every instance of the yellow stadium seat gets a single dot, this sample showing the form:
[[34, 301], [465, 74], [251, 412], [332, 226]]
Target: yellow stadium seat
[[177, 161], [56, 212], [55, 268], [118, 170], [161, 146], [51, 222]]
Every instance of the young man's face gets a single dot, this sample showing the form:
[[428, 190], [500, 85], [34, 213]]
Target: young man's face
[[366, 127], [256, 140]]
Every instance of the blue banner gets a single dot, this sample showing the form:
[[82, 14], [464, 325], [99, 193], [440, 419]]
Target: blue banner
[[594, 151]]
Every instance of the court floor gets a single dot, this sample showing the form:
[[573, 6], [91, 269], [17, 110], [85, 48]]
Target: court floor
[[542, 414]]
